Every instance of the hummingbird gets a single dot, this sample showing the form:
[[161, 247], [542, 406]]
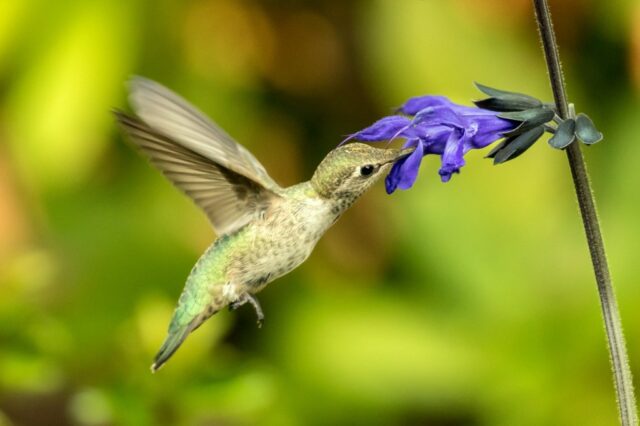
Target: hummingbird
[[264, 230]]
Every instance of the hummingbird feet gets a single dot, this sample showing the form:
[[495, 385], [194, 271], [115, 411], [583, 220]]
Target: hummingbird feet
[[246, 297]]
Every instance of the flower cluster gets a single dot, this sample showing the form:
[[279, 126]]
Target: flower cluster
[[435, 125]]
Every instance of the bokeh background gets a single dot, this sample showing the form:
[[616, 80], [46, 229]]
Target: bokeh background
[[467, 303]]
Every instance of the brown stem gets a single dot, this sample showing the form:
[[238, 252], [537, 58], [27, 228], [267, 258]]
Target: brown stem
[[617, 348]]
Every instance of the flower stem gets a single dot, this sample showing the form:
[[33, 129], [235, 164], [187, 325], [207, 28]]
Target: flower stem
[[613, 325]]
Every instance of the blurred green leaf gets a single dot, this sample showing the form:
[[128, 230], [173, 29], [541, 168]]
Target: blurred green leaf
[[58, 109]]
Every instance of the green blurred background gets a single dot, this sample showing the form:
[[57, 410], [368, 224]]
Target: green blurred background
[[470, 303]]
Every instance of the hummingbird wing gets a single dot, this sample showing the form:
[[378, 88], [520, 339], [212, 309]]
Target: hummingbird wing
[[229, 198], [169, 114]]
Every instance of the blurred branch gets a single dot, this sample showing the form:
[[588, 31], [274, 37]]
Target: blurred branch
[[613, 325]]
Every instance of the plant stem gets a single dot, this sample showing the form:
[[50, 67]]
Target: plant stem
[[613, 325]]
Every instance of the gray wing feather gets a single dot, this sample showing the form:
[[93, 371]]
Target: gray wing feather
[[169, 114], [229, 198]]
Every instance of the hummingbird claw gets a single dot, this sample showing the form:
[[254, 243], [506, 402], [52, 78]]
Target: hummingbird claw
[[246, 297], [256, 305]]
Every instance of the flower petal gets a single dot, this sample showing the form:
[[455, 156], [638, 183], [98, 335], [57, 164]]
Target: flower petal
[[439, 115], [489, 129], [415, 104], [382, 130], [453, 156], [405, 171]]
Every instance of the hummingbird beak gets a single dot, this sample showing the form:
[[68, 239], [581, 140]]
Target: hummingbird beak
[[400, 154], [405, 153]]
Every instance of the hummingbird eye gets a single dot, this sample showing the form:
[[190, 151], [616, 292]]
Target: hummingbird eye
[[367, 170]]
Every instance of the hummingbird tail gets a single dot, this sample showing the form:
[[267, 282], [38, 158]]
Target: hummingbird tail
[[170, 346], [176, 337]]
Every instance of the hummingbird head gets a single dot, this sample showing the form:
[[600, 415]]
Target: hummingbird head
[[349, 170]]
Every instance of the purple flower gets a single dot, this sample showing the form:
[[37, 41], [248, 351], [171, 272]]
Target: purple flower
[[435, 125]]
